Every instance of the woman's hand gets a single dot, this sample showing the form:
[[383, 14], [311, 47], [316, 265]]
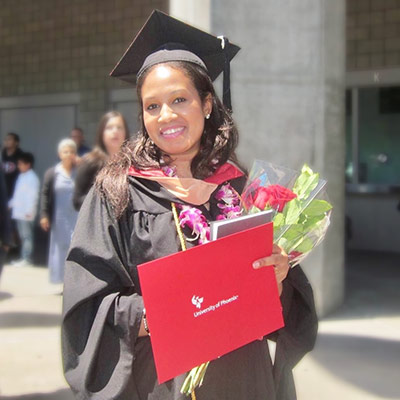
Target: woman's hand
[[279, 260], [45, 224], [142, 330]]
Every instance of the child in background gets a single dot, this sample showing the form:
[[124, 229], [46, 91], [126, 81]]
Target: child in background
[[24, 206]]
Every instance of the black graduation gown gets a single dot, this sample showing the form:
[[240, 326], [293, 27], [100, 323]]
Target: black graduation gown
[[102, 355]]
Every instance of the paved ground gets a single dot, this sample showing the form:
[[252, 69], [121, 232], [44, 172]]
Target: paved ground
[[30, 360], [357, 356]]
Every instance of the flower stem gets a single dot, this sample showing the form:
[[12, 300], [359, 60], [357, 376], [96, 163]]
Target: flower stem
[[194, 379]]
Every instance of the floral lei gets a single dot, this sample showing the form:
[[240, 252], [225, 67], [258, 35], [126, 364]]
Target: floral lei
[[228, 203]]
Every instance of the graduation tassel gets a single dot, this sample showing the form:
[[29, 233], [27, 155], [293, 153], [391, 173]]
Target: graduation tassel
[[226, 84], [178, 227]]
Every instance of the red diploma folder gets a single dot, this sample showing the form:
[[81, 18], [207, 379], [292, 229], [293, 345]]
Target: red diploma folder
[[209, 300]]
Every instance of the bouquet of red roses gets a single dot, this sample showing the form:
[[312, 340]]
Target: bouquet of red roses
[[300, 222], [302, 211]]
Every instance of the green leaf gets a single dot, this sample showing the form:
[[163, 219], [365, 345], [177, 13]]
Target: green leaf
[[294, 232], [283, 242], [306, 182], [292, 235], [278, 220], [305, 245], [279, 230], [292, 212], [312, 222], [317, 207]]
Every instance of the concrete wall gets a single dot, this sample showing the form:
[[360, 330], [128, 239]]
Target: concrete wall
[[373, 34], [288, 100], [64, 46], [194, 12]]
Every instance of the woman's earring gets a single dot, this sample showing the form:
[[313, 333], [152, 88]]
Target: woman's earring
[[208, 116]]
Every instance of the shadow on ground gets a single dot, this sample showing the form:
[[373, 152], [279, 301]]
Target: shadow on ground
[[5, 296], [371, 364], [63, 394], [28, 319]]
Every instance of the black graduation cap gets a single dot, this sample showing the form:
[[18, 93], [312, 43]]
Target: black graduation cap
[[161, 31]]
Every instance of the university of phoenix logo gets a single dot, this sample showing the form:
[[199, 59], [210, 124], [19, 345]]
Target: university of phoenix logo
[[196, 301]]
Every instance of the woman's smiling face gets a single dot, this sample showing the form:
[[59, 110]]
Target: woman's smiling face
[[173, 112]]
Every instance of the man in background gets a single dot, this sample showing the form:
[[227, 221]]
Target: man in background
[[78, 137], [9, 158], [5, 223]]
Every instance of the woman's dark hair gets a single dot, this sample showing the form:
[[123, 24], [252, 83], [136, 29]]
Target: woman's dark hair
[[98, 156], [217, 146]]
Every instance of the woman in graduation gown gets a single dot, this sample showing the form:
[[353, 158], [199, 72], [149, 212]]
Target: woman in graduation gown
[[182, 157]]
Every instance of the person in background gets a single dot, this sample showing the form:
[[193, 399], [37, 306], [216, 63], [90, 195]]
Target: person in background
[[9, 158], [57, 214], [5, 223], [24, 205], [111, 133], [78, 137]]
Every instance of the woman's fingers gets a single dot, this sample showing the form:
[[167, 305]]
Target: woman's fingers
[[277, 251], [277, 256], [273, 259], [280, 262], [278, 259]]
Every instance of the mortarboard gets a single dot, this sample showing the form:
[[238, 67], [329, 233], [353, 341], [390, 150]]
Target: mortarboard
[[163, 38]]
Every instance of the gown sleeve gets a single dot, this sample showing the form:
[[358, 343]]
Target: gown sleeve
[[85, 177], [102, 310], [299, 333], [46, 197]]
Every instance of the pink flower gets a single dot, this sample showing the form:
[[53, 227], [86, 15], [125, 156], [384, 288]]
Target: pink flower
[[169, 171], [229, 211], [195, 220], [228, 203], [228, 195]]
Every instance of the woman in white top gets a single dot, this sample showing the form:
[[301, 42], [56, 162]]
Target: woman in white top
[[57, 212]]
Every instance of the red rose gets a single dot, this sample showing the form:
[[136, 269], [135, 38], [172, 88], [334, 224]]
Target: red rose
[[275, 196], [247, 195], [294, 254]]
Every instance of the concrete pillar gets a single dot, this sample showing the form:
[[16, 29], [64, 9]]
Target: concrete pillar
[[194, 12], [288, 100]]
